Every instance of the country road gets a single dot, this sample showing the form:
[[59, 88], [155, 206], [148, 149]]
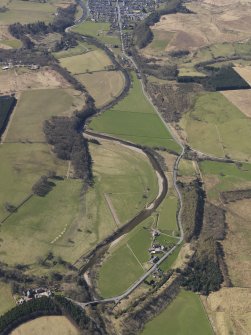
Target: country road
[[118, 298]]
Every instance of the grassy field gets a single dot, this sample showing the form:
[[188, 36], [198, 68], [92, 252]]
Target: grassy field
[[98, 30], [103, 86], [6, 301], [185, 315], [27, 11], [21, 166], [91, 61], [127, 260], [167, 222], [217, 127], [60, 224], [135, 120], [81, 48], [49, 325], [36, 106], [224, 177]]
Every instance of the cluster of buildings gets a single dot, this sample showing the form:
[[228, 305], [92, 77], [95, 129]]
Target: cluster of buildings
[[131, 11], [34, 294]]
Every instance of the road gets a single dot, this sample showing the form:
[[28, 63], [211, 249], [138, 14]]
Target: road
[[118, 298]]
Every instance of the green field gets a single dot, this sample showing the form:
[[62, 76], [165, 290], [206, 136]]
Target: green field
[[63, 213], [36, 106], [6, 298], [98, 30], [81, 48], [13, 43], [95, 60], [217, 127], [228, 176], [27, 11], [184, 316], [134, 119], [126, 262], [21, 166], [167, 222]]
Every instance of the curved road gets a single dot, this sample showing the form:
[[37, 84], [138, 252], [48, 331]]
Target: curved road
[[116, 299]]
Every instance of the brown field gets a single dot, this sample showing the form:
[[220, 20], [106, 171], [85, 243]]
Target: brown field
[[103, 86], [230, 311], [209, 25], [22, 79], [47, 325], [244, 72], [241, 99], [238, 241]]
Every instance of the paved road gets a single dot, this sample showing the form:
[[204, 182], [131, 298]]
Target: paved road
[[116, 299]]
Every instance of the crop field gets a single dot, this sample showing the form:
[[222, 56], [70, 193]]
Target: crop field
[[126, 261], [28, 12], [49, 325], [7, 300], [22, 79], [99, 30], [229, 308], [91, 61], [238, 241], [103, 86], [34, 107], [134, 119], [244, 72], [185, 315], [217, 127], [241, 99], [220, 177]]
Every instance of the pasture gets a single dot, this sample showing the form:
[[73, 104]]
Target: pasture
[[103, 86], [7, 300], [167, 222], [22, 79], [220, 177], [134, 119], [184, 316], [229, 308], [81, 48], [36, 106], [28, 11], [215, 126], [95, 60], [49, 325], [60, 224], [99, 30], [126, 261]]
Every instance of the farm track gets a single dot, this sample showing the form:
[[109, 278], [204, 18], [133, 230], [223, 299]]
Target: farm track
[[102, 247]]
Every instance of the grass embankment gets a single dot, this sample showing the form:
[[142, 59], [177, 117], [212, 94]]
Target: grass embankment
[[56, 325], [6, 300], [134, 119], [217, 127], [185, 315]]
